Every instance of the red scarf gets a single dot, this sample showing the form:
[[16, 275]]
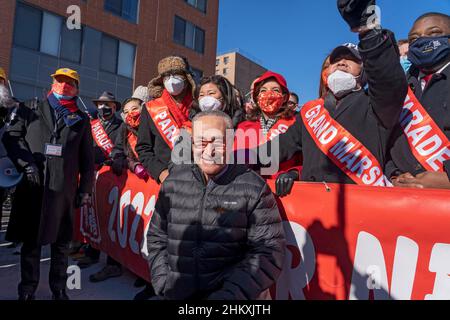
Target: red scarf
[[70, 105], [180, 113]]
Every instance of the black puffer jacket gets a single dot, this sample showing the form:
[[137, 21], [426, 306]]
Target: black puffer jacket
[[369, 116], [220, 240]]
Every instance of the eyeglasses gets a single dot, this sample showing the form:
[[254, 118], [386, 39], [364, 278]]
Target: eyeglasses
[[218, 145]]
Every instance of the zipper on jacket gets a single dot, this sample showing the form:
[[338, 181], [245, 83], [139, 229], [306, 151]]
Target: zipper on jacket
[[197, 245]]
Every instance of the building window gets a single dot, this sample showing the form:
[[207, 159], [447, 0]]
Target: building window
[[225, 71], [71, 42], [127, 9], [217, 62], [226, 60], [117, 56], [126, 59], [47, 33], [199, 4], [109, 53], [51, 32], [27, 29], [189, 35]]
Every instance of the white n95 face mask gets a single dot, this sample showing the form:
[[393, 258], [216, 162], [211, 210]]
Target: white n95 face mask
[[174, 85], [209, 103], [341, 83]]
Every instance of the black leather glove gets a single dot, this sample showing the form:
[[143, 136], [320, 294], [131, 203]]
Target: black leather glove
[[118, 165], [32, 174], [355, 12], [285, 182]]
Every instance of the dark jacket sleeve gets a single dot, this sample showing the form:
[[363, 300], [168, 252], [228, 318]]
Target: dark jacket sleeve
[[289, 144], [145, 147], [14, 137], [87, 164], [264, 259], [447, 168], [391, 169], [385, 76], [119, 147], [157, 244]]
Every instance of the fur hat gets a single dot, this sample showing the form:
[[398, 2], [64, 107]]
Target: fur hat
[[170, 64]]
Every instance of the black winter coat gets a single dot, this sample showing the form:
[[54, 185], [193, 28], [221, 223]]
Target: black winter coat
[[152, 149], [112, 129], [221, 240], [368, 116], [44, 213], [436, 101]]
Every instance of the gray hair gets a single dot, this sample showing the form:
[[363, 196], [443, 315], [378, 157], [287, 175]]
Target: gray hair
[[216, 113]]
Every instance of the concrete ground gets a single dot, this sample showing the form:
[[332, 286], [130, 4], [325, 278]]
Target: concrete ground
[[121, 288]]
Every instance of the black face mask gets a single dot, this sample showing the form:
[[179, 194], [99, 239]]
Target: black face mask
[[428, 52], [105, 113]]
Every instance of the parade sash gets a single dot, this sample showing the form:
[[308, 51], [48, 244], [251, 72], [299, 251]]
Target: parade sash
[[132, 141], [429, 145], [281, 126], [164, 121], [101, 138], [341, 147]]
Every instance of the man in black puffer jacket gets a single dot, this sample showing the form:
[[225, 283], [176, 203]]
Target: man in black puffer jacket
[[216, 232]]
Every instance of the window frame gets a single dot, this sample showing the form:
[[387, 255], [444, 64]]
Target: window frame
[[79, 61], [41, 12], [196, 6], [117, 54], [121, 14], [196, 30]]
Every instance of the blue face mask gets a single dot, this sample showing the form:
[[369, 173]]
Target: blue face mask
[[61, 97], [427, 52], [406, 64]]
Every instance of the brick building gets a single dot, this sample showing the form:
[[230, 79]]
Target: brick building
[[240, 70], [117, 48]]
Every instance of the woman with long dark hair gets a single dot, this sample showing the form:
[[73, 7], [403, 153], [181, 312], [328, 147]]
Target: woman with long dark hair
[[217, 93]]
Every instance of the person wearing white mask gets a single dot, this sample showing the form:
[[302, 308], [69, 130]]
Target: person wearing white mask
[[216, 93], [165, 116], [344, 135]]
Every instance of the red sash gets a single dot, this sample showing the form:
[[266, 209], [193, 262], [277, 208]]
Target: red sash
[[341, 147], [101, 137], [132, 141], [249, 134], [164, 121], [429, 145], [281, 126]]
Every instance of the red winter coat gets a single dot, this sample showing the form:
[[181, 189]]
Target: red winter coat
[[278, 128]]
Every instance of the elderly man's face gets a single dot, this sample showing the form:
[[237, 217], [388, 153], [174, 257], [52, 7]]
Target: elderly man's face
[[209, 144]]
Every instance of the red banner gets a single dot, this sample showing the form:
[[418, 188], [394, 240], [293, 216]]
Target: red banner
[[343, 242]]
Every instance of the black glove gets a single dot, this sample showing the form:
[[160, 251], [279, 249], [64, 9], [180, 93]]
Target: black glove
[[32, 174], [285, 182], [118, 165], [355, 12]]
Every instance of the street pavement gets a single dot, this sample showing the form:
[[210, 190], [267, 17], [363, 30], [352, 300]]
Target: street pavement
[[121, 288]]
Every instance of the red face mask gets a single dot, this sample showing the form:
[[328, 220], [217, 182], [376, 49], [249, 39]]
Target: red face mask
[[133, 119], [270, 102], [64, 89]]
